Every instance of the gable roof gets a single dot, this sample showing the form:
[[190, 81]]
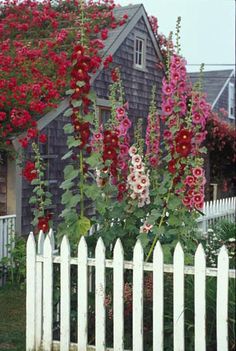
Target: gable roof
[[213, 83], [112, 43], [117, 36]]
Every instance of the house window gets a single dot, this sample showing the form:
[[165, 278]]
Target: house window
[[231, 101], [104, 114], [139, 52]]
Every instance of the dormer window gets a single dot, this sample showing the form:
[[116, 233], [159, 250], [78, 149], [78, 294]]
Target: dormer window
[[231, 104], [140, 52]]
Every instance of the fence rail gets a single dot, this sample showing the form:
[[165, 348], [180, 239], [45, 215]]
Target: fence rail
[[39, 300], [215, 211], [7, 233]]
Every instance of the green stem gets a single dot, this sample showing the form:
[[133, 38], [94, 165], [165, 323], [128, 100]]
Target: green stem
[[81, 185], [160, 223]]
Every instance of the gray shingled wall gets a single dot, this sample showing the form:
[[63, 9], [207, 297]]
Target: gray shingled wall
[[138, 84], [53, 152]]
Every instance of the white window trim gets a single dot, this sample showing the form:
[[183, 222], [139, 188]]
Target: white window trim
[[142, 37], [231, 90]]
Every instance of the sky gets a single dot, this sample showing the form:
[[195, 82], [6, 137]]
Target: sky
[[207, 28]]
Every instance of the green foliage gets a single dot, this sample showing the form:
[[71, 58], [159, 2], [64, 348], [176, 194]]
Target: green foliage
[[15, 264]]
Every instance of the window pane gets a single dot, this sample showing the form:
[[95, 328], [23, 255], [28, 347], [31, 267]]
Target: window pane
[[140, 45]]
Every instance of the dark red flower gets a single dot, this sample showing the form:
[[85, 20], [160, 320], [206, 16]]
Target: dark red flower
[[109, 153], [43, 138], [24, 142], [29, 172], [184, 136], [171, 166], [43, 224], [183, 149]]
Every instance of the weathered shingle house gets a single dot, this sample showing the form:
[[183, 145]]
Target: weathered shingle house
[[136, 51], [220, 89]]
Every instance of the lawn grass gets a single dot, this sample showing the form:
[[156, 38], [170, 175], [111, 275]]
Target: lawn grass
[[12, 319]]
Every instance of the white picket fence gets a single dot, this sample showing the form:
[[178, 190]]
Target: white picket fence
[[7, 233], [215, 211], [39, 296]]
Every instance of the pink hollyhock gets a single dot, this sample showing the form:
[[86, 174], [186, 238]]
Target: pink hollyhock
[[167, 134], [189, 180], [167, 89], [197, 172], [198, 199], [187, 201]]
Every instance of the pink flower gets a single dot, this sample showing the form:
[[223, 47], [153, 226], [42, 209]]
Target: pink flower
[[120, 113], [167, 107], [167, 88], [136, 160], [167, 134], [189, 180], [197, 172], [145, 228], [198, 199], [187, 201], [132, 150]]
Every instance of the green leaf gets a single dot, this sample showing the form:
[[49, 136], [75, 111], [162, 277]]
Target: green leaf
[[70, 172], [33, 200], [67, 184], [143, 239], [40, 192], [74, 200], [80, 83], [89, 118], [158, 230], [93, 160], [47, 202], [76, 103], [83, 225], [173, 220], [66, 197], [68, 112], [67, 155], [72, 142], [92, 191], [35, 182], [68, 128], [92, 96], [174, 203], [70, 91], [167, 253]]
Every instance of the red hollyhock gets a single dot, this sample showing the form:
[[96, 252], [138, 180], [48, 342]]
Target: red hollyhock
[[184, 136], [109, 153], [29, 171], [43, 224], [184, 149], [171, 166]]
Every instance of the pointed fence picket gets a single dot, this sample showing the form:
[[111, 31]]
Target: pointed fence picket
[[65, 295], [138, 297], [178, 283], [222, 300], [118, 300], [200, 299], [82, 295], [39, 296], [100, 286]]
